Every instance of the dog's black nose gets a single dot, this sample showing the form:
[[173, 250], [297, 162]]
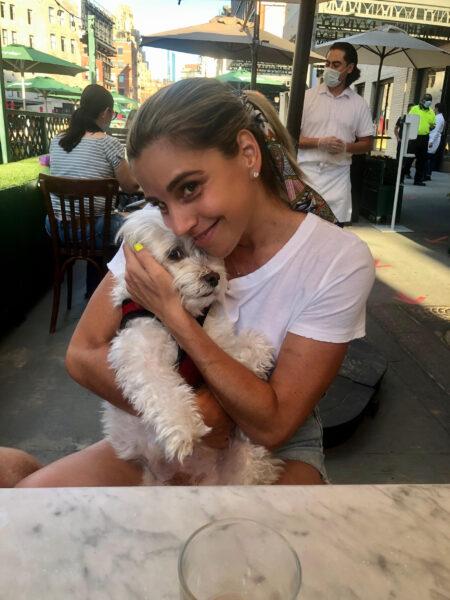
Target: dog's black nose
[[212, 278]]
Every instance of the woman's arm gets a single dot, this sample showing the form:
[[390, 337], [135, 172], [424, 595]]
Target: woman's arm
[[268, 412], [125, 178], [86, 358], [87, 364]]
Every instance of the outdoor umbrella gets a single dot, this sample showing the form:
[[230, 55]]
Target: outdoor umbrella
[[121, 101], [47, 86], [22, 59], [391, 46], [225, 37]]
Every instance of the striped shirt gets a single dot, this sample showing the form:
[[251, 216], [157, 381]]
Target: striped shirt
[[92, 158]]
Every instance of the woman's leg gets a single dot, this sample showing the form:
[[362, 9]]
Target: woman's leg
[[15, 465], [297, 472], [96, 465]]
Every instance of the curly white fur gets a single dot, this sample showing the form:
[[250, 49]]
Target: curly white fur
[[166, 435]]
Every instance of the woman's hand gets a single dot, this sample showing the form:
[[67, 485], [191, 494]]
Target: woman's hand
[[149, 284], [215, 417]]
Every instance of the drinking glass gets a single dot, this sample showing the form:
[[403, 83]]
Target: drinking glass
[[238, 559]]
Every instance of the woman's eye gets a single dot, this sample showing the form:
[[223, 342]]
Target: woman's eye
[[157, 204], [189, 189], [176, 254]]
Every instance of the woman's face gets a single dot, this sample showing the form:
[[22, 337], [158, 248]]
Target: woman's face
[[202, 193]]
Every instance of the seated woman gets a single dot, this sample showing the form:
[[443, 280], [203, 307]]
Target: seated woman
[[222, 170], [85, 151]]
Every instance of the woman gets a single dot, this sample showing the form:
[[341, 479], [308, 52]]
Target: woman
[[85, 151], [222, 170]]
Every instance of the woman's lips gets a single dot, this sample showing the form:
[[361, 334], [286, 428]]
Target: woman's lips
[[205, 236]]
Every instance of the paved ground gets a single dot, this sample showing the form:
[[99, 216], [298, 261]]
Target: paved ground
[[408, 440]]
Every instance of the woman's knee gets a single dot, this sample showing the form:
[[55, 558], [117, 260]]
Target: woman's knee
[[300, 473], [15, 465]]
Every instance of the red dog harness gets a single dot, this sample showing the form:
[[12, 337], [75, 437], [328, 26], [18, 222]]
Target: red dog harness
[[186, 366]]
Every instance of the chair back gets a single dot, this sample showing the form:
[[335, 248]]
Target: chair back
[[75, 201]]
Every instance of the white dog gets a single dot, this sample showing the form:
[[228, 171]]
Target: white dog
[[167, 435]]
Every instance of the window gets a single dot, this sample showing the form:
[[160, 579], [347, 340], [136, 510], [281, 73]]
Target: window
[[53, 41], [30, 41], [4, 37], [119, 50], [122, 91], [61, 17], [51, 14], [2, 10], [72, 23], [121, 78], [63, 44], [72, 46], [29, 14], [13, 37], [12, 12]]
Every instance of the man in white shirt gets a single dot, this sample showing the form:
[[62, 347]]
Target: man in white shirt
[[336, 123]]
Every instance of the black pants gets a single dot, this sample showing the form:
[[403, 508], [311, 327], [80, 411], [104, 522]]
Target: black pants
[[421, 152]]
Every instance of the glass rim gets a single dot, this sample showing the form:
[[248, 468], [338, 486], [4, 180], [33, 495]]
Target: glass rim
[[194, 534]]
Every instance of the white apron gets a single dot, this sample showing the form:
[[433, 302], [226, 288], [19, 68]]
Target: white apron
[[333, 183]]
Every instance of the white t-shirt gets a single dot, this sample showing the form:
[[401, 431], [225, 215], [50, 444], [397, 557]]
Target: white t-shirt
[[316, 286], [346, 117]]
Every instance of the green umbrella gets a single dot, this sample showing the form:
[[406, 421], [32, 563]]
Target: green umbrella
[[22, 59], [124, 100], [241, 76], [47, 86]]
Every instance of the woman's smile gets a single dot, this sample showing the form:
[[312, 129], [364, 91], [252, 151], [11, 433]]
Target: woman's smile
[[204, 238]]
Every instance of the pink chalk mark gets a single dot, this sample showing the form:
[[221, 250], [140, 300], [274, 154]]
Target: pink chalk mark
[[408, 299], [438, 240], [378, 265]]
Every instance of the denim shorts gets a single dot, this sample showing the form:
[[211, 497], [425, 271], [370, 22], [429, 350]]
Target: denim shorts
[[306, 445], [115, 223]]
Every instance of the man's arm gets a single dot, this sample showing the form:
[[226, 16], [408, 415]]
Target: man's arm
[[361, 146]]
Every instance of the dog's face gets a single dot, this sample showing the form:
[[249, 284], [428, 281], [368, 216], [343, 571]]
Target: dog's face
[[199, 278]]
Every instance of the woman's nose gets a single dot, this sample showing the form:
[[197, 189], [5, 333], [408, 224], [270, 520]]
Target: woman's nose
[[180, 220]]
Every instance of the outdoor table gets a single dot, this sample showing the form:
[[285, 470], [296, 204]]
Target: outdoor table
[[354, 542]]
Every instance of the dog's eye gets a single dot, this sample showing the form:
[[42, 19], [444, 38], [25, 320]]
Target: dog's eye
[[176, 254]]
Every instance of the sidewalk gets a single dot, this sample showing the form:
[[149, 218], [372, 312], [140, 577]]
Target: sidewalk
[[44, 412]]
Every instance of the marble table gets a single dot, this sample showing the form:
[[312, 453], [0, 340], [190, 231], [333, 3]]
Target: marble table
[[354, 542]]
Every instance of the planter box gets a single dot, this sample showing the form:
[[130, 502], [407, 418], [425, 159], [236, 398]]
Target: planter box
[[25, 252], [376, 203]]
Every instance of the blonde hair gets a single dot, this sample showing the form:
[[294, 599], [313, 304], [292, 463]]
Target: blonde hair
[[203, 113]]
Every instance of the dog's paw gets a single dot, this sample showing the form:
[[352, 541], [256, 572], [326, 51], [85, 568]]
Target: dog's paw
[[255, 352], [179, 444]]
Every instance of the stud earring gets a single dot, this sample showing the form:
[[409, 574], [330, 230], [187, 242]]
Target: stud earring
[[255, 174]]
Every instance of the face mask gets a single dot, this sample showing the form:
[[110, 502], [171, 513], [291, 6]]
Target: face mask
[[331, 77], [427, 103]]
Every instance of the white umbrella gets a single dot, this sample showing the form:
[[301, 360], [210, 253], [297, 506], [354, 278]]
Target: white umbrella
[[391, 46]]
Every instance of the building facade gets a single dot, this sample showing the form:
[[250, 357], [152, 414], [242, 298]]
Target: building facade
[[104, 45], [48, 26]]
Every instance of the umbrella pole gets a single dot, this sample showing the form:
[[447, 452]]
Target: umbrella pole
[[300, 67], [4, 141], [377, 87], [255, 44], [24, 102]]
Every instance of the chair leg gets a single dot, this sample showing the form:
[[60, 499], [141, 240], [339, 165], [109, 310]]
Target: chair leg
[[56, 298], [69, 286]]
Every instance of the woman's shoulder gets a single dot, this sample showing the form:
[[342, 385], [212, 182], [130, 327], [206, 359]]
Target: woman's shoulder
[[336, 242]]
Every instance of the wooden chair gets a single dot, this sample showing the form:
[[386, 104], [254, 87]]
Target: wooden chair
[[78, 223]]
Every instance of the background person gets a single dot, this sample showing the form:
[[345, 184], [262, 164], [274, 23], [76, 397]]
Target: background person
[[208, 160], [427, 121], [85, 151], [435, 140], [336, 123], [398, 132]]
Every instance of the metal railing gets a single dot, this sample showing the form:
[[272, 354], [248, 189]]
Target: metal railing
[[30, 133]]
